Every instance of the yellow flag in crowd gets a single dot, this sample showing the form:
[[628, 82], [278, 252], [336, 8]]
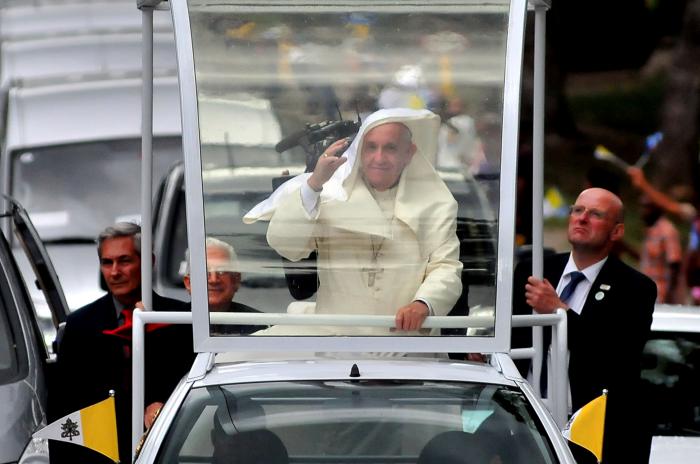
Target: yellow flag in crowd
[[587, 426], [93, 427]]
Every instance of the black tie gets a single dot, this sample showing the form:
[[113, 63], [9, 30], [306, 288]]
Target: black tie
[[575, 278]]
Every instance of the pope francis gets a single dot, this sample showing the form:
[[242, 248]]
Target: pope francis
[[382, 221]]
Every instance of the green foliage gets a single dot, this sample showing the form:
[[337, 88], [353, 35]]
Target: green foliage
[[626, 105]]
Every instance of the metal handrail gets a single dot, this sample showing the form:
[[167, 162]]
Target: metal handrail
[[557, 403]]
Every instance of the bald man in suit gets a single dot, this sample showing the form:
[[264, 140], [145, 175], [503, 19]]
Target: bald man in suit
[[609, 314]]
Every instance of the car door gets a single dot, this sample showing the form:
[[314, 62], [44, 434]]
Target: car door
[[44, 272], [25, 363]]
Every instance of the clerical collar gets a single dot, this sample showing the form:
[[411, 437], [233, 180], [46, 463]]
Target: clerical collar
[[383, 195], [385, 199]]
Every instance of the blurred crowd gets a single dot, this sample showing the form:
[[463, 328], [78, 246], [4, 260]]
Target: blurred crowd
[[676, 271]]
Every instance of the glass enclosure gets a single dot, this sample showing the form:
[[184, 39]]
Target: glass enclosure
[[404, 216], [356, 421]]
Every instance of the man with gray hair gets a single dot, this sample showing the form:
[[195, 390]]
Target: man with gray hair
[[223, 281], [94, 355]]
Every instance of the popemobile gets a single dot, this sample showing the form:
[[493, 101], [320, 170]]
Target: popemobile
[[374, 247]]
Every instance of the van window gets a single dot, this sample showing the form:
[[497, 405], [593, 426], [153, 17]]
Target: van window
[[101, 187]]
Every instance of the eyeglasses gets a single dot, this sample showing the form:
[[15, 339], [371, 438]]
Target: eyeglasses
[[578, 211], [218, 274]]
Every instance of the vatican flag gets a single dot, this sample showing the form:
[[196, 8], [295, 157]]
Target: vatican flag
[[94, 427], [586, 426]]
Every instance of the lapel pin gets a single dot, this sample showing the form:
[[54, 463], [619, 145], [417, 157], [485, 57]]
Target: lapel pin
[[604, 287], [599, 296]]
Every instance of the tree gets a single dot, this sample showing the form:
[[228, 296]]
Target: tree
[[680, 114]]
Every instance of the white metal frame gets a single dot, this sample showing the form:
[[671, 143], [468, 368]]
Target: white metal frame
[[195, 227]]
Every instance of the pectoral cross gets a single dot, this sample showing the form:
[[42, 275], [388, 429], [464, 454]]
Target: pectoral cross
[[372, 273], [375, 269]]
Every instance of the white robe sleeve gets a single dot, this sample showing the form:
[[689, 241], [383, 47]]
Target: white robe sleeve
[[310, 198], [291, 229], [442, 285]]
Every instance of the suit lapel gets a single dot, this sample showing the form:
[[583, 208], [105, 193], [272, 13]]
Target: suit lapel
[[601, 287], [108, 313]]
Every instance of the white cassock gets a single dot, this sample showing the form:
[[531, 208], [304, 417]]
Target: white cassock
[[377, 251]]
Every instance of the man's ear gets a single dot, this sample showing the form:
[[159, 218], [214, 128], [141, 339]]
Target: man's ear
[[188, 284], [618, 232], [413, 149]]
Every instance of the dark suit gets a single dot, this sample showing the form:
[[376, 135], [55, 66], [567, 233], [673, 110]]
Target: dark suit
[[605, 345], [91, 363], [227, 329]]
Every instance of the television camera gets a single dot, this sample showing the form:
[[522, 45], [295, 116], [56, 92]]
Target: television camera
[[315, 138]]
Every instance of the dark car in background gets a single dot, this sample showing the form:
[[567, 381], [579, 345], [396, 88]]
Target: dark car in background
[[671, 384]]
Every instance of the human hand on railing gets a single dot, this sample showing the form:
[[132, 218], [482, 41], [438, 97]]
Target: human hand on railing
[[412, 316], [541, 296]]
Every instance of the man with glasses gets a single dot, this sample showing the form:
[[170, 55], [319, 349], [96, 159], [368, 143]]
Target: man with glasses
[[223, 281], [609, 308]]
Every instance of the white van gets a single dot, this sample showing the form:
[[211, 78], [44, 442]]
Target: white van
[[22, 21], [71, 156], [53, 59], [70, 98]]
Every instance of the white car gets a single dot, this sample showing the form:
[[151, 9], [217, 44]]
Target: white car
[[355, 410], [346, 408], [671, 381]]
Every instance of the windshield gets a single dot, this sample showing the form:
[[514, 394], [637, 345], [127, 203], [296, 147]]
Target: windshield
[[101, 187], [372, 421], [412, 99], [671, 375]]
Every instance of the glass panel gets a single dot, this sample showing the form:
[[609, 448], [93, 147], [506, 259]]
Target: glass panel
[[358, 421], [278, 84]]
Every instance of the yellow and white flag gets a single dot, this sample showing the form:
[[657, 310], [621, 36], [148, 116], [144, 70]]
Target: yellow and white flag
[[587, 426], [93, 427]]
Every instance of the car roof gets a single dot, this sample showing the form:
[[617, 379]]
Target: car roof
[[676, 318], [340, 369]]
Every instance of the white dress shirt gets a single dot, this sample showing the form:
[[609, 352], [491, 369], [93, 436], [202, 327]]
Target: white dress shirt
[[578, 298]]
